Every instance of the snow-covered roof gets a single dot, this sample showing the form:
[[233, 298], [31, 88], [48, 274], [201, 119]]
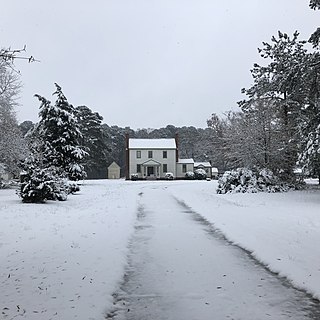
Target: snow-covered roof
[[152, 144], [185, 161], [202, 164]]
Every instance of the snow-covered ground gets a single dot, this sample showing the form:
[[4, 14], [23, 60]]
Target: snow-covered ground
[[63, 260], [282, 230]]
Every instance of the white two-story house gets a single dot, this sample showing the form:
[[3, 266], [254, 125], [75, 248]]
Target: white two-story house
[[153, 158]]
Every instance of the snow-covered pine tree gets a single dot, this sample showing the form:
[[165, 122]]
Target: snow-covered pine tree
[[39, 183], [60, 132], [310, 119]]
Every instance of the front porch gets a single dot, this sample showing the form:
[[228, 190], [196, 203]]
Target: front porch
[[151, 169]]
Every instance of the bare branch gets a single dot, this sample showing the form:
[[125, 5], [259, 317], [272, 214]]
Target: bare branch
[[10, 55]]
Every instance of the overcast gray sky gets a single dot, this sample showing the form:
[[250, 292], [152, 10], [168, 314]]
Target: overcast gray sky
[[145, 63]]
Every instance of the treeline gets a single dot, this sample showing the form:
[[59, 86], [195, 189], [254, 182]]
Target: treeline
[[106, 144]]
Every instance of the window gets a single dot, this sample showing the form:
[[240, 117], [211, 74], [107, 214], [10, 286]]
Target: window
[[165, 168], [138, 154], [165, 154], [150, 154], [184, 168], [138, 168]]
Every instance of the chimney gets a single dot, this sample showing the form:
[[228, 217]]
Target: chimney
[[177, 146], [127, 156]]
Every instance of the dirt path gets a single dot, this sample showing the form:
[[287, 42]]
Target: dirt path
[[180, 268]]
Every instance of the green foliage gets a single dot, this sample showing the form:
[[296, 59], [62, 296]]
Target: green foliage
[[95, 141], [60, 135], [41, 184]]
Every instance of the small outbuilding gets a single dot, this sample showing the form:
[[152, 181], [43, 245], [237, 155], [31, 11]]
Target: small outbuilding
[[114, 171], [214, 173], [206, 166]]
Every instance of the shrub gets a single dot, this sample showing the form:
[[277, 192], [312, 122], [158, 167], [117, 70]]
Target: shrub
[[73, 187], [200, 174], [134, 176], [169, 176], [245, 180], [39, 185], [190, 175]]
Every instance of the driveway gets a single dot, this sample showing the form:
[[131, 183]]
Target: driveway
[[181, 268]]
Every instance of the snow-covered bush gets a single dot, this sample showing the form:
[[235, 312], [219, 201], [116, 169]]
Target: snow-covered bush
[[42, 184], [169, 176], [134, 176], [76, 172], [2, 172], [247, 181], [73, 187], [200, 174], [190, 175], [3, 185]]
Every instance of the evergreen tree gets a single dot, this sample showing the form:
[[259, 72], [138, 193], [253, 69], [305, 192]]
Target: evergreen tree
[[39, 183], [310, 119], [60, 133], [95, 141]]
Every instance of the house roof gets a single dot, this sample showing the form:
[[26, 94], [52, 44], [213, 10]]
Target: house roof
[[202, 164], [185, 161], [152, 144]]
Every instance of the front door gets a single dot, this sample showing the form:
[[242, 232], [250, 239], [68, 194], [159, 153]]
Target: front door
[[150, 171]]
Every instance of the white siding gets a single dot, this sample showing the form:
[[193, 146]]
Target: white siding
[[156, 156], [180, 173]]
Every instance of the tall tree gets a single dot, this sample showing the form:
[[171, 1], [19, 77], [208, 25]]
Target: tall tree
[[95, 141], [214, 141], [310, 119], [60, 133], [12, 147], [281, 82]]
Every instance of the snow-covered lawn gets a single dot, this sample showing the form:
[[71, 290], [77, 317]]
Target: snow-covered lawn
[[63, 260], [282, 230]]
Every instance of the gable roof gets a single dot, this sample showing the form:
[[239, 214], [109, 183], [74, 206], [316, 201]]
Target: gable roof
[[152, 144], [151, 162], [202, 164], [114, 165]]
